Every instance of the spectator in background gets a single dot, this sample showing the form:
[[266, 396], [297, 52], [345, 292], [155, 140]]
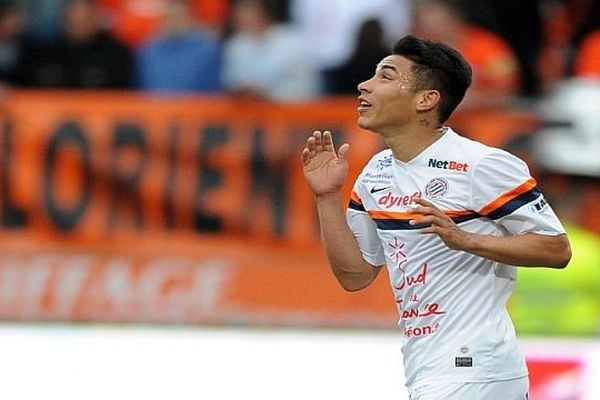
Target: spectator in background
[[136, 21], [43, 18], [132, 21], [495, 67], [587, 61], [519, 22], [85, 55], [266, 60], [369, 50], [327, 25], [181, 58], [16, 48], [212, 14], [585, 45], [566, 23]]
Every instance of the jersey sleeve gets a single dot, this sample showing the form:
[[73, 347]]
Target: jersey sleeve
[[364, 230], [504, 191]]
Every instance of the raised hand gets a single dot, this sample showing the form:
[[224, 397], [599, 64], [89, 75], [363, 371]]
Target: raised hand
[[325, 169]]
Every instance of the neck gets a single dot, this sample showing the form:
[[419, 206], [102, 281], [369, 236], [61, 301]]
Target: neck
[[408, 143]]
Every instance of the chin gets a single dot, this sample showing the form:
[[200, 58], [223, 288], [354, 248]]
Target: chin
[[363, 123]]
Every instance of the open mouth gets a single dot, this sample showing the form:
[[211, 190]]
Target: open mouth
[[363, 104]]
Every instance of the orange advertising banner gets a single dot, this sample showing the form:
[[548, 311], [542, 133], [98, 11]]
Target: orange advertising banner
[[123, 207], [128, 207], [166, 279], [100, 165]]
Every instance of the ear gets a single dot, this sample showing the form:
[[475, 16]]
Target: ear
[[427, 100]]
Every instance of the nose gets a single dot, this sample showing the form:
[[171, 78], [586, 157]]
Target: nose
[[365, 86]]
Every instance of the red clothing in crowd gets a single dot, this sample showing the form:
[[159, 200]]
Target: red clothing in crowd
[[588, 57], [134, 21], [494, 64]]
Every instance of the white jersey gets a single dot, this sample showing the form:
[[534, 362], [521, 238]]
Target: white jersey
[[452, 304]]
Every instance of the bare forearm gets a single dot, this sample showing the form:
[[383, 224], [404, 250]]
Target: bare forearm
[[521, 250], [345, 258]]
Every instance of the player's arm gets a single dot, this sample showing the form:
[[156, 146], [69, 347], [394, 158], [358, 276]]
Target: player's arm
[[325, 172], [345, 258], [527, 249]]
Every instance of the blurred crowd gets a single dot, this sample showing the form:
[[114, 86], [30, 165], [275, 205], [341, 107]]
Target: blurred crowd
[[288, 50]]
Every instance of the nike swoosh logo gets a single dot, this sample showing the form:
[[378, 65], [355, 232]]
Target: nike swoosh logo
[[375, 190]]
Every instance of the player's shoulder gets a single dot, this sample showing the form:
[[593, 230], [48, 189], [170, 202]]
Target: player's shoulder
[[480, 154]]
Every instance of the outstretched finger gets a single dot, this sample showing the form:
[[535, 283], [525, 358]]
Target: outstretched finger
[[328, 142], [427, 220], [343, 152], [318, 140], [305, 156], [311, 146]]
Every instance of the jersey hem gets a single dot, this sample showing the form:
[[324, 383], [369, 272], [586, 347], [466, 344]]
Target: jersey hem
[[418, 384]]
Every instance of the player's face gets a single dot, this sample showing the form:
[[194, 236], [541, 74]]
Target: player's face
[[388, 99]]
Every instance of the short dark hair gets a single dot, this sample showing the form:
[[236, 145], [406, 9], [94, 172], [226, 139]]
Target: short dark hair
[[437, 66]]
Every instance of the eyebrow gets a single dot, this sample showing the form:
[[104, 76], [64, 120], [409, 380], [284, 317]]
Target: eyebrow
[[387, 66]]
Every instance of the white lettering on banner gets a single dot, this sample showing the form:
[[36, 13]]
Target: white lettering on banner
[[8, 284], [21, 282], [116, 289], [208, 289], [68, 287], [35, 285], [203, 287]]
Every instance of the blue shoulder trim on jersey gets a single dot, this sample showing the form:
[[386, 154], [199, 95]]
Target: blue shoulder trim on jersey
[[515, 204], [404, 224], [355, 205], [397, 225], [465, 218]]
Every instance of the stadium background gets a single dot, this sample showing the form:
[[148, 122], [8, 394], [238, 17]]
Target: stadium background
[[161, 243]]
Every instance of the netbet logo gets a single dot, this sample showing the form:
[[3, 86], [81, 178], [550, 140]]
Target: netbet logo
[[451, 165]]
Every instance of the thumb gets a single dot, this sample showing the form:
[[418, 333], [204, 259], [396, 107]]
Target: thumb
[[343, 152]]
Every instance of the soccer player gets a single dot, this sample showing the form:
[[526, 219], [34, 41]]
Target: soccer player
[[450, 217]]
